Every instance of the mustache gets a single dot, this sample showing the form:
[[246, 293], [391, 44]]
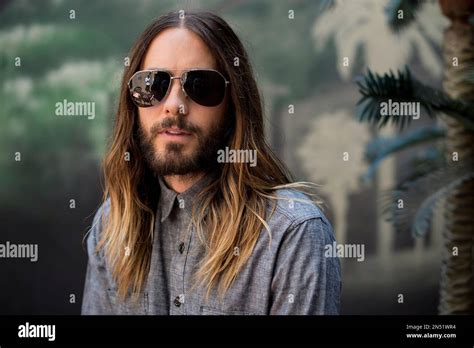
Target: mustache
[[178, 122]]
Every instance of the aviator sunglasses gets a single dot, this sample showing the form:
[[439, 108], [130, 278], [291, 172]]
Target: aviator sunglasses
[[204, 86]]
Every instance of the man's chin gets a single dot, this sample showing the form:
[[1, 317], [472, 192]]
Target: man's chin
[[174, 154]]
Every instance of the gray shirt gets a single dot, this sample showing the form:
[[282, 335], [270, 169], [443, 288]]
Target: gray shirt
[[291, 276]]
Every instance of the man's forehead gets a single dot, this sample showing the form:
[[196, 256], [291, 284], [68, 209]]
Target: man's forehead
[[178, 49]]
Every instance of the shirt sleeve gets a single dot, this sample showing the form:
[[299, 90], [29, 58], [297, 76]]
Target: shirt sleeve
[[305, 281], [96, 298]]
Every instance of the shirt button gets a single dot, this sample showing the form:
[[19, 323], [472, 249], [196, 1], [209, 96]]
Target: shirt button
[[177, 301], [181, 247]]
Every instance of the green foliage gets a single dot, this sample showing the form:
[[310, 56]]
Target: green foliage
[[54, 149], [421, 196], [380, 148], [376, 89], [424, 189]]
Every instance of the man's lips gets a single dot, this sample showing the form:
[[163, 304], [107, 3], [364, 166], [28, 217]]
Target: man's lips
[[176, 132]]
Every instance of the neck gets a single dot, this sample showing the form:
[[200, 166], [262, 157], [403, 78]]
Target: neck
[[180, 183]]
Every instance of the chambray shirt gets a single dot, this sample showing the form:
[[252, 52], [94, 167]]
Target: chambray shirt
[[291, 276]]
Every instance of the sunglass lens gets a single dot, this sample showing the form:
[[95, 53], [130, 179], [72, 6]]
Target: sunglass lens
[[149, 87], [160, 85], [205, 87]]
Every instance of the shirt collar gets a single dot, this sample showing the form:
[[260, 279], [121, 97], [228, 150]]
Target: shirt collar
[[184, 200]]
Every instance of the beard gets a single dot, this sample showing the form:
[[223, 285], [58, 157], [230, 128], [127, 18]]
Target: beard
[[172, 160]]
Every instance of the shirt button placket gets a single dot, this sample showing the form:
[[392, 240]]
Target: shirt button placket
[[178, 302]]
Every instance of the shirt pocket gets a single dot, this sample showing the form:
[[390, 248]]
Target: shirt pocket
[[206, 310], [128, 306]]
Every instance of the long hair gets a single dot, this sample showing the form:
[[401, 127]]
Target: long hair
[[230, 213]]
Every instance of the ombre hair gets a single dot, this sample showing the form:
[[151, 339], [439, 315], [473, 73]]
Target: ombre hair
[[231, 211]]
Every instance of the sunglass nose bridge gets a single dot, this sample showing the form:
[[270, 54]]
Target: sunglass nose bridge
[[182, 80]]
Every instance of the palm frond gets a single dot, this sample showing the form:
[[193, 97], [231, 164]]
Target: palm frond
[[407, 9], [380, 148], [378, 90], [428, 161], [420, 197]]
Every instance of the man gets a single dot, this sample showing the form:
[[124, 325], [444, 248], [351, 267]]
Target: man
[[184, 229]]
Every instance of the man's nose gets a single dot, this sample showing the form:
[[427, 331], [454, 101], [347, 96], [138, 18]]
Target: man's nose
[[175, 102]]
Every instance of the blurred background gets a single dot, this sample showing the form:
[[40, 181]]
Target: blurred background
[[307, 56]]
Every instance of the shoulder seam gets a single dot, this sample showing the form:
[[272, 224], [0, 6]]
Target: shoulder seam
[[302, 218]]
